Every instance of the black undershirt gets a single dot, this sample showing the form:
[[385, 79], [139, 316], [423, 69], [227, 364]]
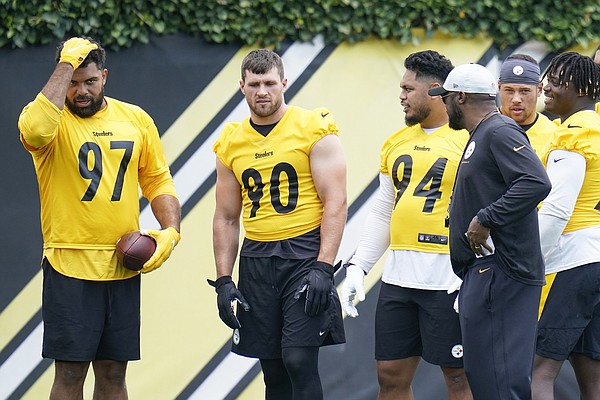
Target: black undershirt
[[263, 129]]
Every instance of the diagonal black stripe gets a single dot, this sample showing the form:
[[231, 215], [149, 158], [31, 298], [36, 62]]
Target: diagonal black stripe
[[20, 337], [494, 51], [243, 383], [198, 194], [489, 54], [206, 132], [32, 378], [310, 70], [508, 51], [205, 372], [363, 197], [284, 46], [546, 60], [195, 145]]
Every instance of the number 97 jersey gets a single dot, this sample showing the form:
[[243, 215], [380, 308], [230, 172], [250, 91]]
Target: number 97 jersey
[[90, 170], [422, 168], [279, 197]]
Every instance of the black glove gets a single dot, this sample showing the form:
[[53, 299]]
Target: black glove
[[318, 284], [227, 293]]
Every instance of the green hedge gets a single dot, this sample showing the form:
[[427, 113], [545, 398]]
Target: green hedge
[[121, 23]]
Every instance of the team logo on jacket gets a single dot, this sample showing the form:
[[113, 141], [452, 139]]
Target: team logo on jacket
[[457, 351], [236, 336], [470, 150]]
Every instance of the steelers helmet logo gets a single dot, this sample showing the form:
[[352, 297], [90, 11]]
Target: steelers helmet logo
[[236, 336], [518, 70], [469, 151], [457, 351]]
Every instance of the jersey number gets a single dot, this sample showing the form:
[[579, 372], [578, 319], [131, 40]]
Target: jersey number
[[255, 191], [94, 174], [432, 179]]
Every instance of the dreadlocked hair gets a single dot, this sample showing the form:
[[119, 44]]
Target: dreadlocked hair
[[579, 70]]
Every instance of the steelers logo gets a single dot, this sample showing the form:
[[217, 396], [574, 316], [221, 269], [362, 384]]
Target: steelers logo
[[518, 70], [469, 151], [457, 351], [236, 336]]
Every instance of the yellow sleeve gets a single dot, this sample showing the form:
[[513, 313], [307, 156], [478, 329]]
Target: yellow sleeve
[[222, 144], [38, 123], [154, 174]]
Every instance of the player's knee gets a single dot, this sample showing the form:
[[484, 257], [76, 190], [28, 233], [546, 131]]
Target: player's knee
[[112, 378], [545, 370], [295, 364], [391, 378], [455, 376], [301, 361], [457, 383], [70, 374], [110, 372]]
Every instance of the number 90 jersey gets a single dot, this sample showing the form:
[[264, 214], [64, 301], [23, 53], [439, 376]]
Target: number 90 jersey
[[422, 168], [279, 197]]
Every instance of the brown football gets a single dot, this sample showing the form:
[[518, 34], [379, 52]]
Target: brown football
[[134, 249]]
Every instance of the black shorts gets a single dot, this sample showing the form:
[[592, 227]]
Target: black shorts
[[415, 322], [90, 320], [277, 320], [570, 320]]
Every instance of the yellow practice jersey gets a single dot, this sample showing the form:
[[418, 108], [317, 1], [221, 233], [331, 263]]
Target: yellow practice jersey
[[422, 168], [580, 133], [88, 171], [279, 197], [539, 133]]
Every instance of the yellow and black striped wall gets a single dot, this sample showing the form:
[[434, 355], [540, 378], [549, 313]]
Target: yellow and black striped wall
[[191, 89]]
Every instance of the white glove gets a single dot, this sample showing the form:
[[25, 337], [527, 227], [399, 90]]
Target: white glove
[[453, 288], [456, 302], [354, 286]]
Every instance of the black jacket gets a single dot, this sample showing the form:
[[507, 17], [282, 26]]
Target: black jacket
[[501, 180]]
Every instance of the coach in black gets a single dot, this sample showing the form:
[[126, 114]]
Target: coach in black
[[494, 239]]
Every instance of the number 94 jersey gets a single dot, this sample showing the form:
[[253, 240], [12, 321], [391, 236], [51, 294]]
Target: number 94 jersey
[[279, 197], [422, 168]]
